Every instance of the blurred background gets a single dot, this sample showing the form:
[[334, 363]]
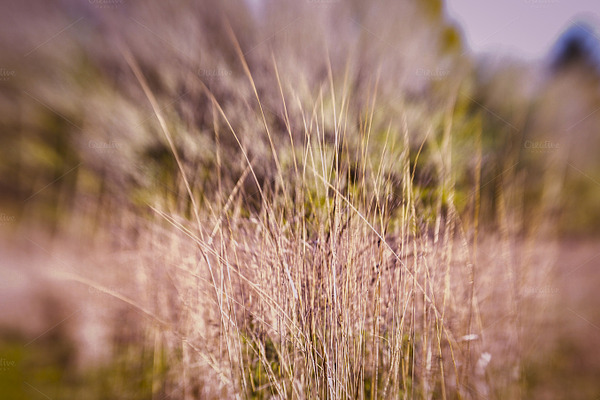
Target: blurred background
[[516, 86]]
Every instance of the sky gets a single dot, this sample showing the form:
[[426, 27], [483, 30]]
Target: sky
[[520, 28]]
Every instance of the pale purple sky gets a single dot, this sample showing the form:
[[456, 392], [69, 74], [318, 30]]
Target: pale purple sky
[[520, 28]]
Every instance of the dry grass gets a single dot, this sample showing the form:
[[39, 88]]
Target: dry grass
[[337, 286]]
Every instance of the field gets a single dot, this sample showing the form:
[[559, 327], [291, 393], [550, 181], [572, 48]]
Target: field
[[321, 199]]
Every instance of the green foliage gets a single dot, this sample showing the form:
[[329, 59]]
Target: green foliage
[[47, 367]]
